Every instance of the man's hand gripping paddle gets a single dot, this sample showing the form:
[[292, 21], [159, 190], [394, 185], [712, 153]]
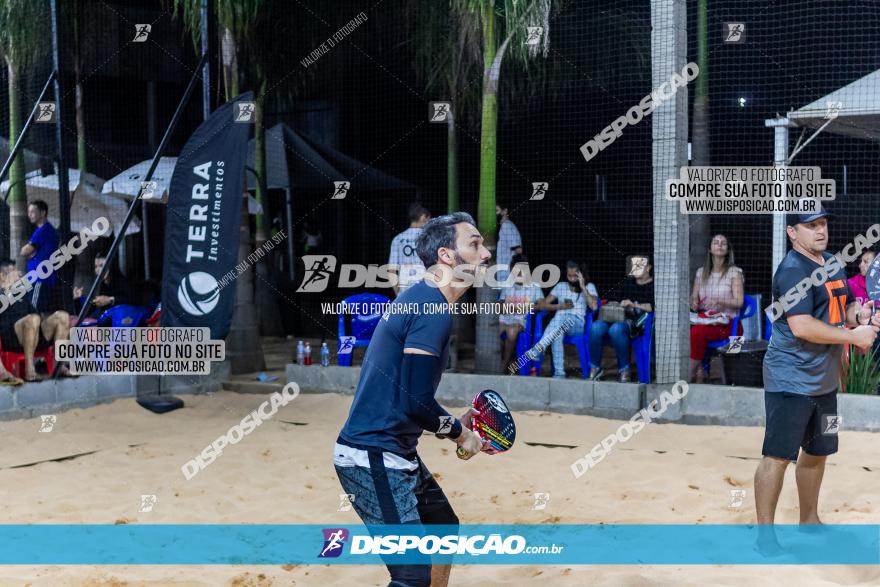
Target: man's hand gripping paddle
[[493, 422]]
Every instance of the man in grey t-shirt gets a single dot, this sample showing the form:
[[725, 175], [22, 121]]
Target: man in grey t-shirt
[[802, 369]]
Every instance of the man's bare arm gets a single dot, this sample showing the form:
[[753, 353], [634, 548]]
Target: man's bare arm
[[813, 330]]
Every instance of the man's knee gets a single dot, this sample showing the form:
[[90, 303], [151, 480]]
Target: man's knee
[[808, 461], [772, 463], [61, 317], [29, 322]]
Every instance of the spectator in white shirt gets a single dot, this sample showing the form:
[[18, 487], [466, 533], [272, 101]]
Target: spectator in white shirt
[[517, 298], [509, 241], [570, 299], [404, 260]]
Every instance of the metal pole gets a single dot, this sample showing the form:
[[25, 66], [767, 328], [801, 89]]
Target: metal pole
[[205, 32], [19, 142], [145, 233], [290, 263], [121, 231], [779, 240], [63, 193]]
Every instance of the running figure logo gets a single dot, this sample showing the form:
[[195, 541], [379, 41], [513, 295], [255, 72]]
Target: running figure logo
[[342, 188], [318, 270], [539, 190], [45, 112], [534, 36], [147, 503], [735, 345], [637, 266], [345, 501], [244, 112], [831, 424], [334, 539], [833, 110], [735, 32], [541, 501], [47, 422], [737, 497], [446, 423], [148, 190], [141, 32], [346, 345], [440, 111]]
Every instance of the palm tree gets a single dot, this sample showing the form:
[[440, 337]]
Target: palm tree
[[73, 9], [699, 231], [495, 19], [22, 44], [445, 48], [237, 19]]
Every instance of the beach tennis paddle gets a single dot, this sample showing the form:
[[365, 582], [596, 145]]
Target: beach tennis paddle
[[493, 422], [872, 282]]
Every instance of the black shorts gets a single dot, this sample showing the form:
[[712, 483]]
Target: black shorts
[[8, 338], [46, 298], [800, 421]]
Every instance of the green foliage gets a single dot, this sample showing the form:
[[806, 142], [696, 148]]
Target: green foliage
[[23, 37], [238, 16], [862, 374]]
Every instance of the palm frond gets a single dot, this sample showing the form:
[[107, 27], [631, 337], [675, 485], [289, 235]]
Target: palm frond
[[23, 37]]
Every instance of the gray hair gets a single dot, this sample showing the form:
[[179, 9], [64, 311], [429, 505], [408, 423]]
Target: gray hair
[[439, 232]]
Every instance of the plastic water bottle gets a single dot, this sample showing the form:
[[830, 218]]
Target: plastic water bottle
[[308, 353], [300, 353], [325, 355]]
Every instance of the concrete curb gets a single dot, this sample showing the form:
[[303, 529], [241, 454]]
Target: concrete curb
[[53, 396], [703, 405]]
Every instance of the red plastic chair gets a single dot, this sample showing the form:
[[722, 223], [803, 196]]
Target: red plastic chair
[[14, 362], [154, 319]]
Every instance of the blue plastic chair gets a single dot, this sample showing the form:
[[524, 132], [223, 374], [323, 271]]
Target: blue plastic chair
[[123, 315], [362, 325], [523, 344], [642, 348], [580, 341], [749, 308]]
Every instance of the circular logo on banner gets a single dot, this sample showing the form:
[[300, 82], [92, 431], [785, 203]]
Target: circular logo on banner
[[198, 293]]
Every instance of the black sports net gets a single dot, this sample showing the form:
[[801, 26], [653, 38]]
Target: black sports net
[[368, 95]]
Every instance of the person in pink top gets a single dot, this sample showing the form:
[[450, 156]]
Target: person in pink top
[[717, 297], [857, 281]]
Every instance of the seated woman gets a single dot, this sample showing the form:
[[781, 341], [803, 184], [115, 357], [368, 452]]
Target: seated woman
[[521, 295], [717, 296], [636, 297], [857, 282], [112, 290], [574, 296]]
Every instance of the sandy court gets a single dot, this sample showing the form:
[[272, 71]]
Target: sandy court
[[282, 474]]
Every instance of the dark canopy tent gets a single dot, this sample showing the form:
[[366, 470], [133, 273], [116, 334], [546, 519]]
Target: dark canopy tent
[[295, 163]]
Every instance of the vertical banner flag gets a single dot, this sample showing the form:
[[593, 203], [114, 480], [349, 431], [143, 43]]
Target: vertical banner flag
[[203, 220]]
